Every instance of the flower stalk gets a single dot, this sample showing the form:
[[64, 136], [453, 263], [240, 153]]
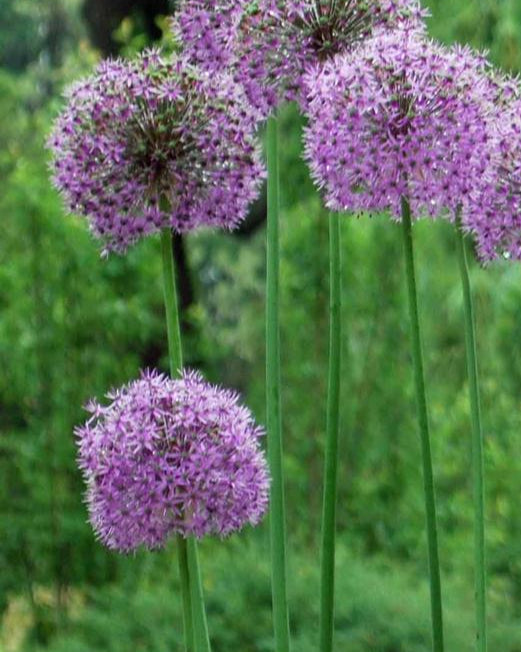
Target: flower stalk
[[184, 578], [274, 430], [477, 446], [327, 585], [194, 616], [423, 421]]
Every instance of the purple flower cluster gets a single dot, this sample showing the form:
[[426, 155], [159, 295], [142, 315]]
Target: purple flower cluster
[[154, 143], [391, 113], [171, 457], [269, 44], [401, 117], [494, 219]]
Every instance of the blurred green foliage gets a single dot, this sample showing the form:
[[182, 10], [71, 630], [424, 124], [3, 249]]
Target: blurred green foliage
[[73, 325]]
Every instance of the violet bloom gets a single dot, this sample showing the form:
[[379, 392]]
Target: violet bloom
[[269, 44], [171, 457], [401, 117], [154, 143], [494, 217]]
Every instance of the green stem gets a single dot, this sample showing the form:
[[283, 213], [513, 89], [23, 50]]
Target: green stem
[[184, 577], [194, 617], [327, 586], [201, 638], [274, 431], [477, 448], [175, 349], [428, 478]]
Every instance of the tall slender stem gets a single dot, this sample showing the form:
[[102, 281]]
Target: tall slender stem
[[274, 430], [421, 399], [194, 617], [201, 637], [327, 586], [477, 448], [175, 349], [184, 576]]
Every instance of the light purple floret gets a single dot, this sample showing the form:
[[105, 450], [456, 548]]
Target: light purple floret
[[402, 117], [170, 457], [153, 143], [269, 44]]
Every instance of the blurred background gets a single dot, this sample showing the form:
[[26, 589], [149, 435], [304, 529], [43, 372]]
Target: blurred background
[[73, 325]]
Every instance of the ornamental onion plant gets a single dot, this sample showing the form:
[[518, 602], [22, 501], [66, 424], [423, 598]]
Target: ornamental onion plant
[[269, 46], [402, 126], [492, 217], [155, 145], [172, 457]]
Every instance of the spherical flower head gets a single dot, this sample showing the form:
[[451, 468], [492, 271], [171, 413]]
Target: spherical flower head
[[402, 117], [171, 457], [270, 44], [153, 143], [494, 216]]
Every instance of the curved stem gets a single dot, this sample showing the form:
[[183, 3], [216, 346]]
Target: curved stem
[[327, 586], [421, 399], [274, 434], [477, 448], [194, 616]]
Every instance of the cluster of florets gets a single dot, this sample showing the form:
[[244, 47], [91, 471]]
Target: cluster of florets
[[171, 457], [154, 143], [494, 218], [208, 31], [269, 44], [401, 117], [391, 113]]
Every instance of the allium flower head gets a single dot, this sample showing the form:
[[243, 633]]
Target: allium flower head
[[270, 43], [154, 143], [494, 217], [401, 117], [171, 457]]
